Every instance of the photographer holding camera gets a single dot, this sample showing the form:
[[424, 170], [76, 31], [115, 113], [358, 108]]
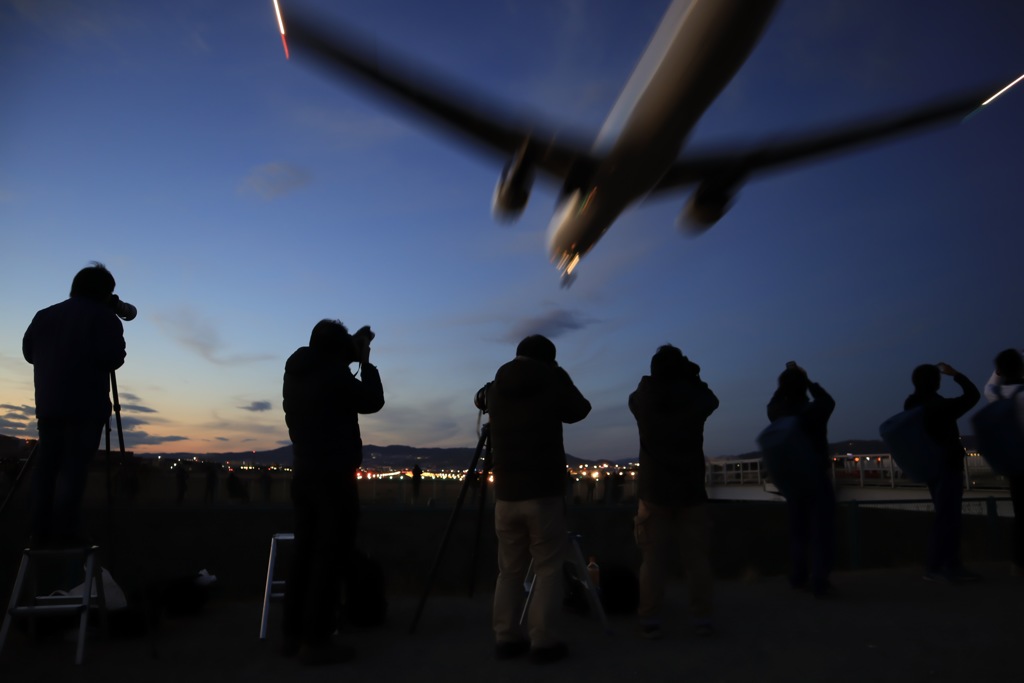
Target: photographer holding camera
[[322, 404], [671, 406], [73, 347], [529, 400], [812, 509]]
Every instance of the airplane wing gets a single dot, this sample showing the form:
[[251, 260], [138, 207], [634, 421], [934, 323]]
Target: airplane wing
[[733, 166], [343, 51]]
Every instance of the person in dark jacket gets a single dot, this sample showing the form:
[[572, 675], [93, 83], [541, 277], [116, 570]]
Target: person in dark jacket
[[322, 402], [1004, 384], [670, 406], [73, 347], [947, 488], [811, 512], [529, 400]]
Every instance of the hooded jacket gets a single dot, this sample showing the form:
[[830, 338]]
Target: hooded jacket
[[670, 416], [813, 415], [940, 416], [528, 401], [73, 347], [322, 402]]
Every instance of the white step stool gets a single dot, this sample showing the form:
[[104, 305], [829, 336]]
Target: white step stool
[[274, 587], [51, 605]]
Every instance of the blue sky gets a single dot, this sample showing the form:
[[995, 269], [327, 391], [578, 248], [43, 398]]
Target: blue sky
[[238, 198]]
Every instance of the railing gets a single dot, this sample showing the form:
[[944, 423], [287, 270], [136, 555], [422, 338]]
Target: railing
[[735, 472], [876, 469], [987, 506]]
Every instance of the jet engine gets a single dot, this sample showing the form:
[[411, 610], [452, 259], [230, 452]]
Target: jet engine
[[513, 190], [706, 206]]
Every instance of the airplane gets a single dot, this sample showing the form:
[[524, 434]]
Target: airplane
[[693, 54]]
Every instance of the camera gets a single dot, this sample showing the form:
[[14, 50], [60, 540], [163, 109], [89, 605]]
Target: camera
[[360, 341], [122, 309], [480, 400]]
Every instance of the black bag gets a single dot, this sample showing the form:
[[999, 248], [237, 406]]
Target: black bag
[[619, 590], [366, 601]]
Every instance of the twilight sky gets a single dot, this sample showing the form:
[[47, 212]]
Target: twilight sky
[[238, 198]]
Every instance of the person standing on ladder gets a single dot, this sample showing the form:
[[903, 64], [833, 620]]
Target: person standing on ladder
[[73, 346]]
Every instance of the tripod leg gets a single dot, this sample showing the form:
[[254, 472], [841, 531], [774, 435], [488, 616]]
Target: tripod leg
[[484, 475], [111, 546], [528, 587], [17, 480], [447, 533]]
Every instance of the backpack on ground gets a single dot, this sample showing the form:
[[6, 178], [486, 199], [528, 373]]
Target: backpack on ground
[[365, 601]]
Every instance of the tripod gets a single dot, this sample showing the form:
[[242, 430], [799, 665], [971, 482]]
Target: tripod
[[120, 435], [28, 571], [483, 447]]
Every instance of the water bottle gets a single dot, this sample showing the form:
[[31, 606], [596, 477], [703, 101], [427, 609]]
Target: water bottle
[[594, 571]]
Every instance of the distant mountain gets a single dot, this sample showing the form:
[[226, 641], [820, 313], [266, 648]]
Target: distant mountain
[[401, 457], [383, 457]]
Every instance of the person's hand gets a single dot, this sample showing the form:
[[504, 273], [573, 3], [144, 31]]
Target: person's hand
[[946, 369], [361, 339]]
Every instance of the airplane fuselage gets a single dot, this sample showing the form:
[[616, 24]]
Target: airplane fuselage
[[695, 52]]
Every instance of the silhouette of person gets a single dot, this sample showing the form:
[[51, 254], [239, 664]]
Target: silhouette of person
[[237, 488], [947, 488], [812, 511], [73, 347], [417, 480], [1005, 382], [529, 399], [670, 406], [322, 404], [589, 484], [212, 479], [266, 484], [181, 481]]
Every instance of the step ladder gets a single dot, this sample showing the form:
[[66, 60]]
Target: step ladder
[[274, 589], [575, 553], [57, 604]]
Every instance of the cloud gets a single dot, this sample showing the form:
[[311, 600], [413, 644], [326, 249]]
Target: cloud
[[136, 408], [65, 18], [134, 403], [18, 420], [26, 411], [428, 423], [196, 41], [140, 438], [350, 130], [194, 332], [257, 406], [273, 180], [135, 435], [552, 324]]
